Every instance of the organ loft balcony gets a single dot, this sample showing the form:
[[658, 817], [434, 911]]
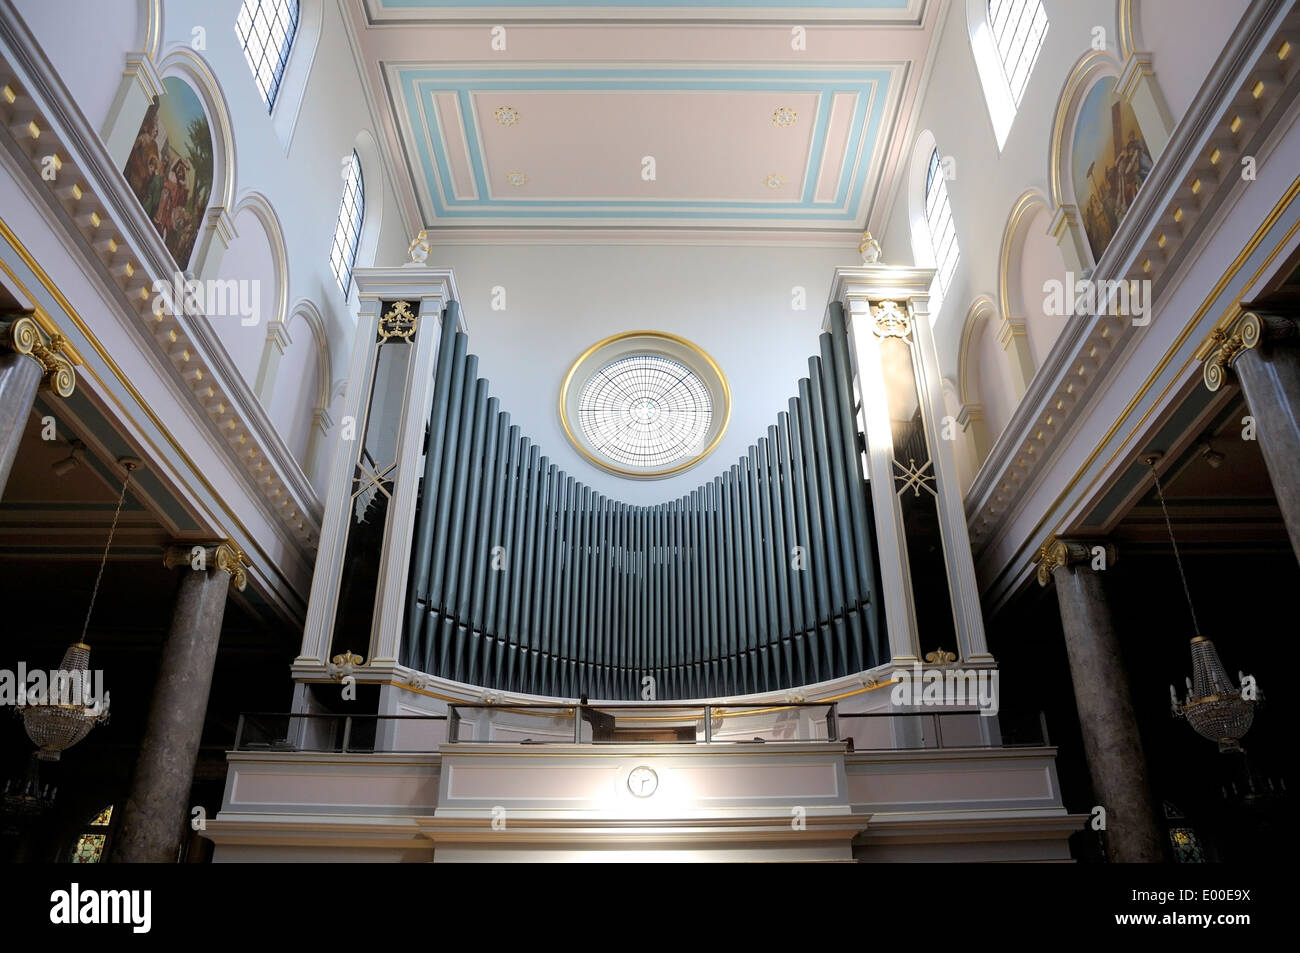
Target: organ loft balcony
[[504, 661]]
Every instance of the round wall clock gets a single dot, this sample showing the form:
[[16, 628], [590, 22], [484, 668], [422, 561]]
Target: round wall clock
[[642, 781]]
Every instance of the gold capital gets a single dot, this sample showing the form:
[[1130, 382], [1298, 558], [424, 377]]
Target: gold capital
[[1246, 333], [25, 336], [1055, 553], [226, 556]]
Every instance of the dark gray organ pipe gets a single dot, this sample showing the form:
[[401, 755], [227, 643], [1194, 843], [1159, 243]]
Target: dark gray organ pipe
[[422, 546], [841, 463], [588, 595]]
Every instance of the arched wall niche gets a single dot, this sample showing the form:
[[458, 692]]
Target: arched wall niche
[[1028, 258], [983, 407], [960, 439], [302, 387], [256, 261], [257, 205]]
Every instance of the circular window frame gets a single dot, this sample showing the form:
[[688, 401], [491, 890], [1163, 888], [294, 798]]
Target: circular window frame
[[662, 344]]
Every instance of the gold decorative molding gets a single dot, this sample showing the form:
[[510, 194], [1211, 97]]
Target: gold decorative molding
[[1055, 553], [25, 336], [226, 556], [1244, 334], [890, 322], [940, 656], [398, 322]]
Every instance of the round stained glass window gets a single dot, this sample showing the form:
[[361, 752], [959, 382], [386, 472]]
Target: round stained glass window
[[644, 404], [645, 410]]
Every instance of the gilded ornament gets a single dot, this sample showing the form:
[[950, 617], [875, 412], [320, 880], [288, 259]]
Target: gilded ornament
[[398, 322], [890, 321], [25, 336]]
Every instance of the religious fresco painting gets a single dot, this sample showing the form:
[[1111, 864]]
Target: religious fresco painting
[[170, 167], [1109, 161]]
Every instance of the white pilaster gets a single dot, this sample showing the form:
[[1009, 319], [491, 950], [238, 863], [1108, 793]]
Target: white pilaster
[[857, 289]]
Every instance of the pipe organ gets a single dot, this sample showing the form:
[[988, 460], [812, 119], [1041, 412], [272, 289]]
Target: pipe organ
[[522, 578]]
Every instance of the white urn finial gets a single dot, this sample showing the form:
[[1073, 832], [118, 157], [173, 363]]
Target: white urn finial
[[869, 248], [420, 247]]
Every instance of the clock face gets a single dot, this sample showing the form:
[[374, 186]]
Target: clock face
[[642, 781]]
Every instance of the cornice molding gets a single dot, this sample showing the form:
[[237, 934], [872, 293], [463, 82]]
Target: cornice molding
[[1193, 179], [106, 223]]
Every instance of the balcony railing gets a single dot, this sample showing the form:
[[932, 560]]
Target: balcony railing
[[541, 724]]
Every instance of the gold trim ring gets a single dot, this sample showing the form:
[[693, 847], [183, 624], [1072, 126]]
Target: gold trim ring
[[680, 342]]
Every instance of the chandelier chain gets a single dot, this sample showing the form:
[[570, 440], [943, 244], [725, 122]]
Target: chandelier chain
[[1160, 493], [94, 593]]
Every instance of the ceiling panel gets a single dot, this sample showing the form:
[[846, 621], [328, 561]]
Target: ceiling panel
[[768, 123]]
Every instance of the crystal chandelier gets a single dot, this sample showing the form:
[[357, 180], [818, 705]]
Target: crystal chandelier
[[29, 797], [66, 714], [1215, 707]]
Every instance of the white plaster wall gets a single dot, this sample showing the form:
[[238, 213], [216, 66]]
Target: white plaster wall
[[85, 40], [1185, 40], [296, 390], [248, 258], [1040, 261], [987, 182], [733, 302], [994, 382]]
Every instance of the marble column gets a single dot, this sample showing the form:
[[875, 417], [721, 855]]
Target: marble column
[[29, 359], [156, 811], [1101, 692], [1263, 351]]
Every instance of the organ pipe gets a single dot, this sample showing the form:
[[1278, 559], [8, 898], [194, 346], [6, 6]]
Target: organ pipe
[[525, 579]]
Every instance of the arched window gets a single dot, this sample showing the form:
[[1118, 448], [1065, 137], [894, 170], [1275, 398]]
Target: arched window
[[1006, 38], [93, 841], [1019, 27], [266, 29], [943, 234], [347, 231]]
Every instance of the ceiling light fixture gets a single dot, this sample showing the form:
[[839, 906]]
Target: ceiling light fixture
[[73, 703], [1210, 455], [1215, 708], [517, 179], [775, 181], [72, 460], [784, 116], [506, 115]]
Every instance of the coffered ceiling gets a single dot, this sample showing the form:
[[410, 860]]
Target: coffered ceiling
[[533, 118]]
